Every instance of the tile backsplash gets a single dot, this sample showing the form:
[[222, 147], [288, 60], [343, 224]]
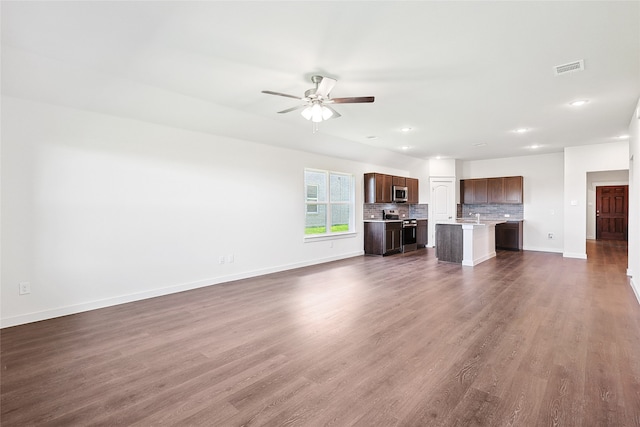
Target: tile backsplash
[[374, 210], [492, 211]]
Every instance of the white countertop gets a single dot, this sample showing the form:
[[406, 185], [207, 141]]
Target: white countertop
[[473, 222], [393, 220]]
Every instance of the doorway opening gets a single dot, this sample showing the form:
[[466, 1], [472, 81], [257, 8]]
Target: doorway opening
[[607, 205]]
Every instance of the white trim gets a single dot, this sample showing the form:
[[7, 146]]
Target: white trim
[[321, 237], [574, 255], [123, 299], [541, 249], [636, 290], [608, 183]]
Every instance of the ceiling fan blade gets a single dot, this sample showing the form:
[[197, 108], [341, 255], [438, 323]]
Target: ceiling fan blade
[[335, 113], [325, 86], [288, 110], [353, 100], [270, 92]]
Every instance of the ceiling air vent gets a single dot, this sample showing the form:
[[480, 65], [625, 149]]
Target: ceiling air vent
[[571, 67]]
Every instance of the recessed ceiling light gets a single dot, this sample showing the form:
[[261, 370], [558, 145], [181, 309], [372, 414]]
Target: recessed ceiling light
[[578, 102], [372, 137], [405, 147], [521, 130], [480, 144], [622, 137], [406, 130], [438, 157]]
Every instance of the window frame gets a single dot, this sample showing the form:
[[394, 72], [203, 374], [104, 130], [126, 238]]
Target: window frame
[[329, 203]]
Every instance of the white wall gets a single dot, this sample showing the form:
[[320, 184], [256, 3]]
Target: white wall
[[598, 179], [99, 210], [634, 201], [543, 208], [423, 170], [578, 161]]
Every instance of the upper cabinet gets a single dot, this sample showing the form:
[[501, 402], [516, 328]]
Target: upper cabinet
[[378, 188], [400, 181], [473, 191], [412, 190], [513, 192], [503, 190]]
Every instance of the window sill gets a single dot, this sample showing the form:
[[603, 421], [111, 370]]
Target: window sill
[[323, 237]]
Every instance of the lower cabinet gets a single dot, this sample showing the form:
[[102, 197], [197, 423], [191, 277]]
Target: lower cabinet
[[449, 243], [509, 236], [423, 233], [382, 238]]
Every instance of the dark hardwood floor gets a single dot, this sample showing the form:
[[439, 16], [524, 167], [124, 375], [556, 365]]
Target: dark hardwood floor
[[527, 338]]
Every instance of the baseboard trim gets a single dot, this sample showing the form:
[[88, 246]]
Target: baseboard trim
[[541, 249], [574, 255], [636, 289], [123, 299]]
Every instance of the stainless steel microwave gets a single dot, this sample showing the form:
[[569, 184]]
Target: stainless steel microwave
[[400, 194]]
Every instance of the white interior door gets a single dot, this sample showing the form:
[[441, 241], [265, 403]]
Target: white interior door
[[442, 206]]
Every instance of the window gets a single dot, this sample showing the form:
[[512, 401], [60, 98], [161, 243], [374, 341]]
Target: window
[[312, 196], [329, 202]]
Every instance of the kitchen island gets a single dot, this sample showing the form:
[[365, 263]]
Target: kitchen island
[[466, 242]]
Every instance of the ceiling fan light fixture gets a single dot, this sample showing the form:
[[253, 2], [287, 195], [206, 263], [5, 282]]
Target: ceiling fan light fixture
[[306, 113], [317, 113], [326, 113]]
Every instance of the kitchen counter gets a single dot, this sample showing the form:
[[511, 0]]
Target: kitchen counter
[[473, 222], [466, 241], [393, 220]]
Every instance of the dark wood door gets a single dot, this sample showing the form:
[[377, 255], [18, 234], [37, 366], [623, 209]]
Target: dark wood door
[[612, 210]]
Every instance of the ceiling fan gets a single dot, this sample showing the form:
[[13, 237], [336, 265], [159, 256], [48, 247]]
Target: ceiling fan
[[315, 100]]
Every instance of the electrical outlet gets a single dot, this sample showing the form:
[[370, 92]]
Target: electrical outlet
[[230, 258], [221, 259], [507, 216], [24, 288], [550, 235]]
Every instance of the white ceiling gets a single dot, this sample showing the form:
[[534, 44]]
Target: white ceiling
[[459, 73]]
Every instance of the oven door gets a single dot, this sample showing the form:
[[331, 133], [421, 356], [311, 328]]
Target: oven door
[[409, 237]]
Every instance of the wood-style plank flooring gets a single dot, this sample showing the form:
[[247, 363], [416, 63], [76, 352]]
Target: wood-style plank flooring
[[527, 339]]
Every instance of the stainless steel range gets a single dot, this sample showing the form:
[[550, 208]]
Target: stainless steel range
[[409, 230]]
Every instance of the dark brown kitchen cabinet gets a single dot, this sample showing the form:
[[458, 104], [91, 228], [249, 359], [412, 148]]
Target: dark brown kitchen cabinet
[[377, 188], [382, 238], [502, 190], [509, 235], [513, 189], [422, 233], [412, 189], [400, 181], [449, 243], [495, 190], [505, 190], [473, 191]]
